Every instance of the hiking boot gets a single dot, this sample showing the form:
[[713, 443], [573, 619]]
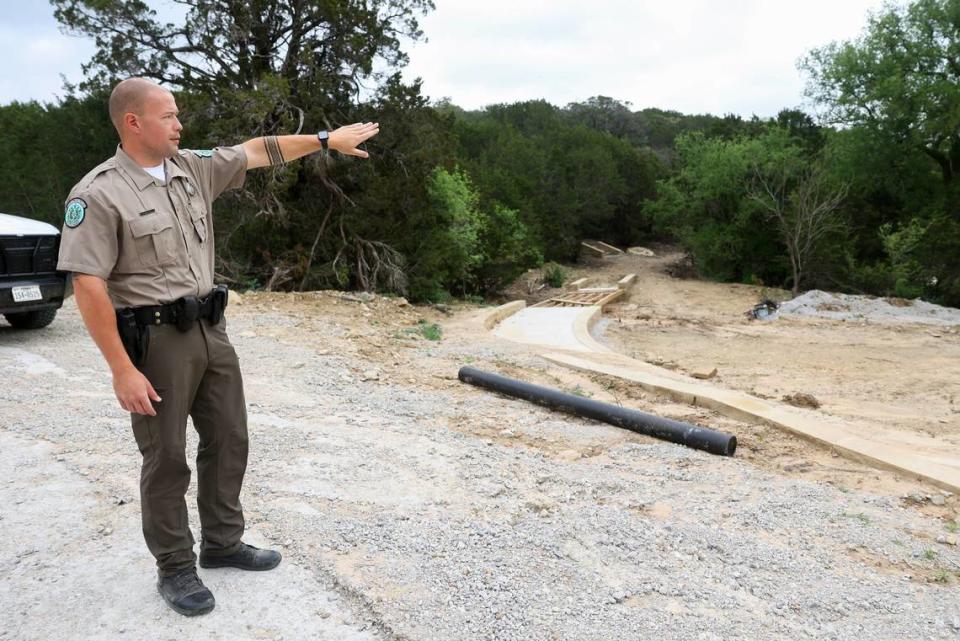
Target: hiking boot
[[185, 593], [246, 557]]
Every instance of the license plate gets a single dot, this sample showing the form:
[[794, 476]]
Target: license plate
[[26, 294]]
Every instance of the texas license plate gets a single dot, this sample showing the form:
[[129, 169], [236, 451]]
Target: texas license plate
[[26, 294]]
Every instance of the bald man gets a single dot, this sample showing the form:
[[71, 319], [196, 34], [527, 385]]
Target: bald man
[[138, 236]]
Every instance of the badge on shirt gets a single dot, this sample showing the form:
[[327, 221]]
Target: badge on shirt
[[76, 209], [203, 153]]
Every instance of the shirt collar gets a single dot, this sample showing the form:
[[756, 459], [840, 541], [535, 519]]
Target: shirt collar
[[140, 177]]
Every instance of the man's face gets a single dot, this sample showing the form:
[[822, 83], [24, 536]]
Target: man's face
[[159, 126]]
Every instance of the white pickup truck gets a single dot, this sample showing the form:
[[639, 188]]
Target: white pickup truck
[[31, 288]]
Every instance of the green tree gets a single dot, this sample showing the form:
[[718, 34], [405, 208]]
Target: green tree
[[337, 45], [448, 248], [797, 196], [900, 78], [895, 91], [244, 68], [508, 249], [748, 209], [45, 149]]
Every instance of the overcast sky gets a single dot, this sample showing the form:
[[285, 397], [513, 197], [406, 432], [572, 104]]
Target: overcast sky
[[694, 56]]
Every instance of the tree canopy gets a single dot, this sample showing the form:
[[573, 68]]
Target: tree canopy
[[460, 202], [900, 78]]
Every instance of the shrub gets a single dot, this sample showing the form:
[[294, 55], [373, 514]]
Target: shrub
[[554, 275]]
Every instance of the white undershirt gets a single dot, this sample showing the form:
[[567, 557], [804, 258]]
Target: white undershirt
[[157, 172]]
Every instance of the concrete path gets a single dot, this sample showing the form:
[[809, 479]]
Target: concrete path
[[556, 327]]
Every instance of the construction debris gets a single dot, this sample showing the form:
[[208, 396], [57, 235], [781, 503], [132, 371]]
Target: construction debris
[[764, 310], [801, 399], [704, 373], [599, 249]]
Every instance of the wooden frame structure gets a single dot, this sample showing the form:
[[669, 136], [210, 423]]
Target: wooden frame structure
[[598, 296]]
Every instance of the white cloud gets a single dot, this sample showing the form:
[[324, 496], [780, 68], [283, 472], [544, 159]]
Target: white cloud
[[34, 56], [691, 55], [47, 49]]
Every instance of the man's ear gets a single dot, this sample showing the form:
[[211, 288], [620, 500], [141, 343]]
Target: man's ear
[[131, 121]]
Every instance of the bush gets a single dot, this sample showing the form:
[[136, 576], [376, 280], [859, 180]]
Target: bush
[[554, 275]]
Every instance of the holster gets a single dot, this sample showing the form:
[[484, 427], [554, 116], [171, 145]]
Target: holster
[[218, 303], [135, 337], [186, 311]]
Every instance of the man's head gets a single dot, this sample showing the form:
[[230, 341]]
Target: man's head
[[145, 115]]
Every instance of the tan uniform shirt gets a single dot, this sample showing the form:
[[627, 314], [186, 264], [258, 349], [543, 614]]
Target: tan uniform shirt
[[151, 241]]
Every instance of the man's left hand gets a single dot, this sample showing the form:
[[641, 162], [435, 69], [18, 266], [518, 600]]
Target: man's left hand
[[347, 138]]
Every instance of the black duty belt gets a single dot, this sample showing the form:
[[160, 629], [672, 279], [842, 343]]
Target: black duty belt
[[133, 323], [183, 312]]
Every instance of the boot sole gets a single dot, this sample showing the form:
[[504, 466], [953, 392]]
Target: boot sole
[[208, 564]]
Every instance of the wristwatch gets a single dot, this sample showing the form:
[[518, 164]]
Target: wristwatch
[[324, 138]]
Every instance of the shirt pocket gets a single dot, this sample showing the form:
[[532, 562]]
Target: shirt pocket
[[198, 215], [154, 239]]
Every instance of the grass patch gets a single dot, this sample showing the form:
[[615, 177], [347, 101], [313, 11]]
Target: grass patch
[[863, 518], [953, 527], [929, 555], [578, 391], [429, 331], [942, 576]]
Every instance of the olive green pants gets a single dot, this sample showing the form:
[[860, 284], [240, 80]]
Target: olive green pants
[[197, 374]]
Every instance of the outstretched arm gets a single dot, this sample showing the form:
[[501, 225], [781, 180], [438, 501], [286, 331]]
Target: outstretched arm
[[275, 150]]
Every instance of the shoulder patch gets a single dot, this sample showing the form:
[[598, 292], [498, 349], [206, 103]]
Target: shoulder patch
[[76, 209], [203, 153]]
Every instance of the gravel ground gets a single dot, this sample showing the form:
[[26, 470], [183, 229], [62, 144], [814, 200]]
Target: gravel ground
[[869, 308], [410, 507]]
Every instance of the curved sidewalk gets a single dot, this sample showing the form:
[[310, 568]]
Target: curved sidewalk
[[563, 334]]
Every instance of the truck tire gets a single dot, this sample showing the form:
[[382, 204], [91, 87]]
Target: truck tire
[[31, 320]]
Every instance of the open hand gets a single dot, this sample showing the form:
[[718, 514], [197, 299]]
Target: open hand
[[345, 139]]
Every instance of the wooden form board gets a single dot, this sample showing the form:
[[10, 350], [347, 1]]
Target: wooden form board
[[609, 248], [582, 299], [600, 249]]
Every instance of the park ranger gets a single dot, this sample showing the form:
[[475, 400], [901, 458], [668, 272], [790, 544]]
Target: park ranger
[[138, 236]]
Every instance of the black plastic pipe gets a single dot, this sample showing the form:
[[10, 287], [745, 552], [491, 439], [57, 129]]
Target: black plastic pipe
[[699, 438]]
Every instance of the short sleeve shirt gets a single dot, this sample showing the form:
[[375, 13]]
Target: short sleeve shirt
[[151, 241]]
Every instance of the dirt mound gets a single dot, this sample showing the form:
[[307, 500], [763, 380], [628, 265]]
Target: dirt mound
[[879, 310]]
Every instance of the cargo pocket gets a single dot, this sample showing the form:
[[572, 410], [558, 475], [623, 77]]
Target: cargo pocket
[[154, 239]]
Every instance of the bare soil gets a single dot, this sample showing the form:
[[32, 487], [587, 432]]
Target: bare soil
[[899, 378]]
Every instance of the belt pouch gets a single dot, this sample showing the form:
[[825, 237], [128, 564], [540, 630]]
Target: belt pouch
[[187, 310]]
